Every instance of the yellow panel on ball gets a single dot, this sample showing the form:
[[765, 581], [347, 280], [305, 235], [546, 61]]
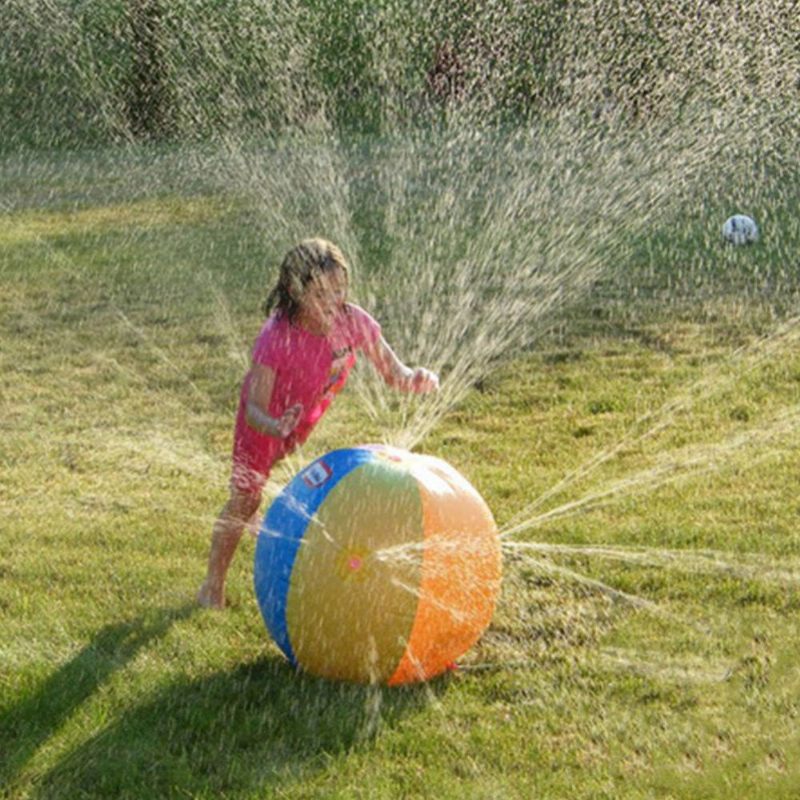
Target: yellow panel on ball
[[352, 605]]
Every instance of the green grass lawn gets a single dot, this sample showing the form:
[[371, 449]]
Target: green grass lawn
[[643, 455]]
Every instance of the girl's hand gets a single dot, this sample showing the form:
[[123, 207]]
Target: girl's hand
[[424, 381], [287, 422]]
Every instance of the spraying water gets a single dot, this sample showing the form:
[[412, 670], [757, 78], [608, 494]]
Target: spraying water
[[477, 236]]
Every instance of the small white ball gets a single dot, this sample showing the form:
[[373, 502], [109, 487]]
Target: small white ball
[[740, 229]]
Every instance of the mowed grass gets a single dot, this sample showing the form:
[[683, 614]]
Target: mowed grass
[[653, 655]]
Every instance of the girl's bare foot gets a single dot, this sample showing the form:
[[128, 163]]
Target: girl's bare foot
[[210, 598]]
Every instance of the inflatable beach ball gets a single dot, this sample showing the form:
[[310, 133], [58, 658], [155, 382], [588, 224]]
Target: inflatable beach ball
[[377, 565]]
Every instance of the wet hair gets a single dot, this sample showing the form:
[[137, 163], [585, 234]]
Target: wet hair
[[300, 266]]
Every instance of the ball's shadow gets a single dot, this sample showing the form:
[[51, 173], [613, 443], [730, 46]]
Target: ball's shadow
[[246, 728]]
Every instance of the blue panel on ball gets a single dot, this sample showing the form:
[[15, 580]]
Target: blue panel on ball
[[283, 529]]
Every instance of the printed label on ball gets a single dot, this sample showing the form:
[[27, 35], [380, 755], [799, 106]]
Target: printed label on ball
[[317, 474]]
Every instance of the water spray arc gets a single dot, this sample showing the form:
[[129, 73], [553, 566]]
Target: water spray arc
[[510, 182]]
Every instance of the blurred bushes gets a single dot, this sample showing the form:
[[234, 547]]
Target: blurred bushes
[[81, 72]]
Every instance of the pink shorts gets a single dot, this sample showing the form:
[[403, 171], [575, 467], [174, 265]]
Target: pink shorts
[[246, 479], [254, 455]]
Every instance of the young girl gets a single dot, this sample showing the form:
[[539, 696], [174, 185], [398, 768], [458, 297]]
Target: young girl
[[301, 359]]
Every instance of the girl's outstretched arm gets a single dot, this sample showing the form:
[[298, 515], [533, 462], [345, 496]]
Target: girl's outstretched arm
[[396, 373]]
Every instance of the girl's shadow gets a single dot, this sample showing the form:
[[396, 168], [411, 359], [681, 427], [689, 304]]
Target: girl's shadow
[[32, 721], [256, 726]]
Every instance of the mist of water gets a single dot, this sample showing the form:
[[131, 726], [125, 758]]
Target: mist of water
[[471, 239]]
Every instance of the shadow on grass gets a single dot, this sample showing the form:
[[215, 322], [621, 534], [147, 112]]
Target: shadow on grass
[[250, 729], [29, 724]]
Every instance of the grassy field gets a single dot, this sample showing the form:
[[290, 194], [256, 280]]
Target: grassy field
[[642, 458]]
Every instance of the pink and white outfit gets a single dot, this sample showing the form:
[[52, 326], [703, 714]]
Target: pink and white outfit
[[309, 369]]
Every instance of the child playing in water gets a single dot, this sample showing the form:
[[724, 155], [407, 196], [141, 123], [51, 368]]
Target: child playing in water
[[300, 360]]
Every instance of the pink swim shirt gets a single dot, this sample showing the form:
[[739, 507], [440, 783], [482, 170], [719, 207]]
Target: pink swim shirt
[[309, 369]]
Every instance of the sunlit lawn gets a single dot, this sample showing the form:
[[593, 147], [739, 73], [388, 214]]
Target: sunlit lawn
[[654, 656]]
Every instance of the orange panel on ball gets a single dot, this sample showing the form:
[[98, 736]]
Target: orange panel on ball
[[461, 572]]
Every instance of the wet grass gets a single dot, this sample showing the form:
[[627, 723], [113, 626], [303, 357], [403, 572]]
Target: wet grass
[[663, 667]]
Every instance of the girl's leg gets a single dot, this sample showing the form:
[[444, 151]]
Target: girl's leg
[[228, 528], [253, 525]]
